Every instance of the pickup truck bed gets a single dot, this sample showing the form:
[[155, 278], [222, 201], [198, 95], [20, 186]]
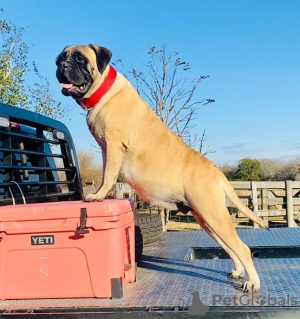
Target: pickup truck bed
[[167, 277]]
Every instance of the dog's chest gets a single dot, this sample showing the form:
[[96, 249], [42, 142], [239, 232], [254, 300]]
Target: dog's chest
[[127, 171], [98, 133], [145, 186], [133, 177]]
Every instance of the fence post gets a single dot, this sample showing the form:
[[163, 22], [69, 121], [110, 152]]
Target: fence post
[[254, 200], [264, 199], [163, 218], [289, 204]]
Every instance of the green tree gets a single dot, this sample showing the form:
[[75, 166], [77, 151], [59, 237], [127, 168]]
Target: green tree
[[13, 64], [13, 68], [41, 98], [248, 170]]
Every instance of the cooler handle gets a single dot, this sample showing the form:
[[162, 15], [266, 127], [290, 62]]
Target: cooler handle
[[83, 217]]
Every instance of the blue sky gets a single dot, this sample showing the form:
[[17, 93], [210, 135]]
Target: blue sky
[[250, 49]]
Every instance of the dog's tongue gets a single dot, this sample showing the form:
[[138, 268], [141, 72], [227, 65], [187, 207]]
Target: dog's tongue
[[66, 85]]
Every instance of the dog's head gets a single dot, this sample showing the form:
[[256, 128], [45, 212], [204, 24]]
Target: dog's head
[[79, 66]]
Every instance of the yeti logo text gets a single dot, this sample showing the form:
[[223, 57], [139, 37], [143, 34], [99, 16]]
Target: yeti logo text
[[42, 240]]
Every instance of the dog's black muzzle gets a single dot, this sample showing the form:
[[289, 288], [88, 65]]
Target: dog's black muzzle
[[75, 81]]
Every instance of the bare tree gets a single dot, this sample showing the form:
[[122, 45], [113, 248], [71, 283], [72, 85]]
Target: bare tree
[[229, 171], [89, 170], [171, 95]]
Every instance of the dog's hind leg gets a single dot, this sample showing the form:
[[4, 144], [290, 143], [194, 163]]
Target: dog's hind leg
[[215, 214], [239, 270]]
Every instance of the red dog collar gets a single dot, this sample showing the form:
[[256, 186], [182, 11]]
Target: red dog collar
[[88, 103]]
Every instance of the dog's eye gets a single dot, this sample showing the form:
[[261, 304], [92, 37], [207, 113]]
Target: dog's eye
[[79, 58]]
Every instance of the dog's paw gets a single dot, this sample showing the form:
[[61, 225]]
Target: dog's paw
[[251, 287], [234, 274], [93, 198]]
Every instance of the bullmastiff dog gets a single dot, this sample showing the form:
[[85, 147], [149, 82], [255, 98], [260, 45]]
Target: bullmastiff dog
[[151, 158]]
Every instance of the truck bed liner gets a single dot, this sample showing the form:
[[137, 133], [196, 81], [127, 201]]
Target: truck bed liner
[[167, 278]]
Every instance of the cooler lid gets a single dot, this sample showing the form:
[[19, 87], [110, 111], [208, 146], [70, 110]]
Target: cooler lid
[[61, 210]]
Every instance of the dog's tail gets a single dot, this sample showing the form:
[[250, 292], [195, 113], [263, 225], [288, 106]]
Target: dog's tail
[[232, 196]]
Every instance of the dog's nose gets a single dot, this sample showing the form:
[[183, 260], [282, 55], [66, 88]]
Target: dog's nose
[[64, 65]]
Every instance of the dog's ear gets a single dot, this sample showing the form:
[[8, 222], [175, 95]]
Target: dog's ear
[[103, 56]]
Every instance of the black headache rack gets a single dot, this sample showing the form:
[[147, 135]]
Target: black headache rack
[[38, 162]]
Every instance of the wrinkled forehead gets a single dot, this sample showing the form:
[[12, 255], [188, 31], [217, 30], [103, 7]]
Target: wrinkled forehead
[[84, 50]]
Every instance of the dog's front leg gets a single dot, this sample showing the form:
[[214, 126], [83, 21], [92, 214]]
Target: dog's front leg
[[112, 160]]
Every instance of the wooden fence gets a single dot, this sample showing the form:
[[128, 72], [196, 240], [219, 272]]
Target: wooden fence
[[278, 203], [274, 202]]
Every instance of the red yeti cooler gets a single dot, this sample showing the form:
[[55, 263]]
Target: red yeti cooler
[[66, 249]]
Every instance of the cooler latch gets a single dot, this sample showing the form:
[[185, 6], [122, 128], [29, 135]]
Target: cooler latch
[[83, 217], [129, 265]]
